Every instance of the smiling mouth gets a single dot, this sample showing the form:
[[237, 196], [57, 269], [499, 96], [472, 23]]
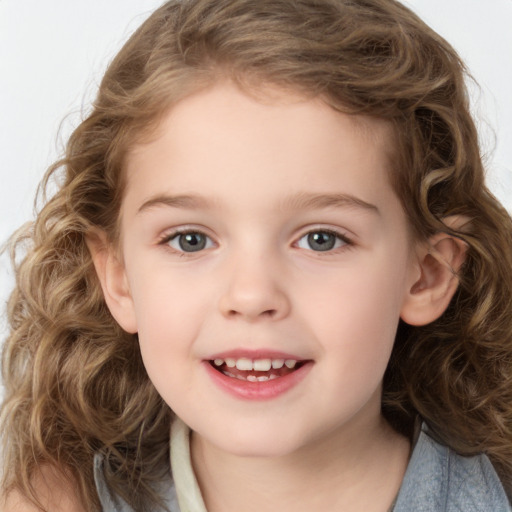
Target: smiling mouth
[[256, 370]]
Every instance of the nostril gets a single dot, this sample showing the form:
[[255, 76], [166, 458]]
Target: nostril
[[254, 303], [270, 313]]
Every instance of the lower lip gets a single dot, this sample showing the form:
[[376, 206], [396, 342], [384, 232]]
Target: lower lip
[[265, 390]]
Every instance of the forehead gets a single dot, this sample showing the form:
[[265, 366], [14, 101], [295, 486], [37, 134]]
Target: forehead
[[269, 139]]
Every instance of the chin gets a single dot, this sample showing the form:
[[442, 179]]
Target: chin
[[259, 450], [256, 444]]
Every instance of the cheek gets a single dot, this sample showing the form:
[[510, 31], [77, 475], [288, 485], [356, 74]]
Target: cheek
[[169, 312], [168, 327], [164, 295], [355, 328], [365, 289], [356, 312]]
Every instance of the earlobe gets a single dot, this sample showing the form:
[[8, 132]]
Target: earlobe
[[439, 262], [112, 276]]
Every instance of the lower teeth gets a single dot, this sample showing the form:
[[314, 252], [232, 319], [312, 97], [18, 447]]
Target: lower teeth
[[251, 378]]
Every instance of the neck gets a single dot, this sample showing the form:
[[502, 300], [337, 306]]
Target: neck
[[357, 468]]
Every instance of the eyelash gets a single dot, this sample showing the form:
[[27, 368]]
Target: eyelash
[[166, 239], [346, 242]]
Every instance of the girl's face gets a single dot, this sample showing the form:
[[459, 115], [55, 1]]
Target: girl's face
[[258, 236]]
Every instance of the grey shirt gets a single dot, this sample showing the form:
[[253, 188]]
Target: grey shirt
[[437, 480]]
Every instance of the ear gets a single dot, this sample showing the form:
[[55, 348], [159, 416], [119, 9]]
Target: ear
[[438, 264], [112, 277]]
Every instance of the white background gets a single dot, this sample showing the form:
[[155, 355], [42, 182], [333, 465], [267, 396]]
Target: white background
[[53, 54]]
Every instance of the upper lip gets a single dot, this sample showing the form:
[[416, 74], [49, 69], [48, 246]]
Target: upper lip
[[255, 354]]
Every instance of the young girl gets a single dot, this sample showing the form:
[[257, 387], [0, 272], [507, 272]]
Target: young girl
[[272, 277]]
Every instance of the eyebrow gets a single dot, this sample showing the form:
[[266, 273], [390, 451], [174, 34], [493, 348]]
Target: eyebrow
[[186, 201], [311, 200], [298, 201]]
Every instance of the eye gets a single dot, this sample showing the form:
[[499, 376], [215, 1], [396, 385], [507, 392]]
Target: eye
[[322, 240], [190, 241]]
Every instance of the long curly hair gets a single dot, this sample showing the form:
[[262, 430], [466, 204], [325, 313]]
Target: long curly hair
[[75, 383]]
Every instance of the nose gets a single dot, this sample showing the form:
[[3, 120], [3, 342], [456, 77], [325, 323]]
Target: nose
[[254, 291]]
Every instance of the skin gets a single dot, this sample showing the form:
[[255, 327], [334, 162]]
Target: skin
[[251, 168], [54, 490]]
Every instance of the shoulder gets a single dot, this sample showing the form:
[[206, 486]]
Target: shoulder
[[439, 479], [54, 491], [111, 502]]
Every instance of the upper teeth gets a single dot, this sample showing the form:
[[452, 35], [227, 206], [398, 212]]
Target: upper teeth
[[260, 365]]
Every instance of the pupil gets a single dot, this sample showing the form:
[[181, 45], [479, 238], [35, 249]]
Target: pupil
[[321, 241], [191, 242]]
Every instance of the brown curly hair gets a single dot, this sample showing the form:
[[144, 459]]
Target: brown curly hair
[[74, 381]]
